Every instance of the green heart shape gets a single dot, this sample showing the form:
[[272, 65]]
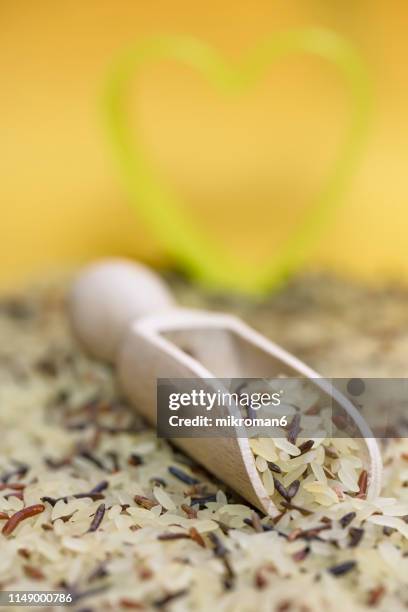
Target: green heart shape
[[195, 252]]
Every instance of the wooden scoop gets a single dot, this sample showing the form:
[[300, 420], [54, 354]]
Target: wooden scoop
[[109, 307]]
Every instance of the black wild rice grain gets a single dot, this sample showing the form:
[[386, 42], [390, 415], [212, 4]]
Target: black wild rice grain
[[274, 468], [229, 577], [223, 526], [51, 500], [342, 568], [222, 553], [19, 472], [98, 518], [291, 506], [256, 522], [85, 454], [347, 518], [305, 446], [387, 531], [294, 429], [293, 488], [95, 494], [161, 603], [65, 518], [251, 413], [101, 486], [203, 501], [186, 478], [173, 536], [219, 548], [281, 490], [355, 536]]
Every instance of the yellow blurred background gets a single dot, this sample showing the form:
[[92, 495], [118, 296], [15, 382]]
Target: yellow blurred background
[[246, 168]]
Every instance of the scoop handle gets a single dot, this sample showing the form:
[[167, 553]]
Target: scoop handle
[[107, 297]]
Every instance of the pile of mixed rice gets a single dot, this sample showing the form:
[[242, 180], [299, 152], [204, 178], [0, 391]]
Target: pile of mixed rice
[[91, 502]]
